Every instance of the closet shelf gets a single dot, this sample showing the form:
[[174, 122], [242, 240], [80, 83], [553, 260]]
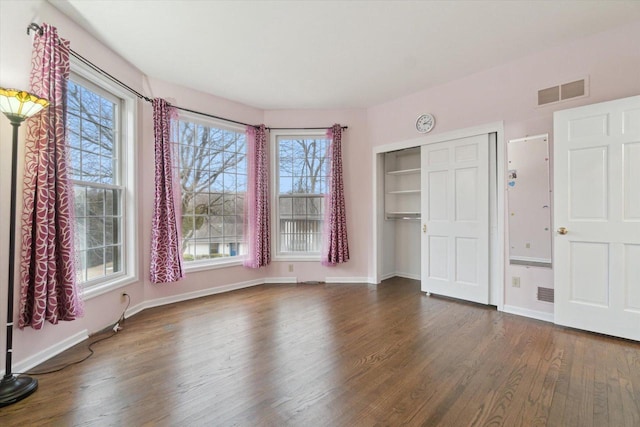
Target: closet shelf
[[404, 172], [403, 215], [404, 192]]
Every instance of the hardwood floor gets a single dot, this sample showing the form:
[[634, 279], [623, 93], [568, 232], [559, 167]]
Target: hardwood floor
[[339, 355]]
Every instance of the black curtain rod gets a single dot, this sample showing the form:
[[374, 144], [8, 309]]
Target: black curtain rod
[[35, 27]]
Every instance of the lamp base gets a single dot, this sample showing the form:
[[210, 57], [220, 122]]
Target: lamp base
[[15, 388]]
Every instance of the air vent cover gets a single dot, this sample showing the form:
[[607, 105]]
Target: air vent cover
[[549, 95], [572, 90], [575, 89], [545, 294]]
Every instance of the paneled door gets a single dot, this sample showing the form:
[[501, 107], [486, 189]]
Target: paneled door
[[597, 217], [455, 218]]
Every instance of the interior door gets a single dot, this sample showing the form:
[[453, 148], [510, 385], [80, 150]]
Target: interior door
[[597, 217], [455, 218]]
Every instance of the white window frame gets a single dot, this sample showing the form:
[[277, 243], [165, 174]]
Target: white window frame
[[214, 263], [127, 153], [275, 186]]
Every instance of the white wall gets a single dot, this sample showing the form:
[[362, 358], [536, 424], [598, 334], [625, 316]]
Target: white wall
[[506, 92]]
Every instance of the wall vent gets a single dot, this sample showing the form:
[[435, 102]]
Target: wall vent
[[572, 90], [545, 294], [562, 92], [549, 95]]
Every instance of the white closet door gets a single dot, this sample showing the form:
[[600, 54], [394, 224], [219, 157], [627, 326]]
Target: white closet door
[[455, 218], [597, 217]]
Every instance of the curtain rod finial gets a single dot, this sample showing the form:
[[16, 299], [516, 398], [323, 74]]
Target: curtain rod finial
[[35, 27]]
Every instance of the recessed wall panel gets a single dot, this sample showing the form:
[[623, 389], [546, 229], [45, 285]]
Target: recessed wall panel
[[466, 193], [438, 157], [438, 196], [631, 123], [467, 261], [438, 257], [589, 127], [465, 153], [632, 181], [588, 184], [589, 277], [632, 277]]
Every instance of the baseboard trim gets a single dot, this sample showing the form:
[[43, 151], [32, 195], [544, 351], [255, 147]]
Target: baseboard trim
[[407, 275], [280, 280], [534, 314], [46, 354], [346, 280], [199, 294]]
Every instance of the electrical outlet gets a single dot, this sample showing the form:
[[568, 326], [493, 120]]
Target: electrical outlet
[[528, 246], [124, 297], [290, 268], [515, 281]]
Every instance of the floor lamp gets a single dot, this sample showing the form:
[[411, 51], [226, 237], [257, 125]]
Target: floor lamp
[[17, 106]]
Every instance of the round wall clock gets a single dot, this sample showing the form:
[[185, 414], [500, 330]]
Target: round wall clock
[[425, 123]]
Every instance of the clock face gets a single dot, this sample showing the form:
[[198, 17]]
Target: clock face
[[425, 123]]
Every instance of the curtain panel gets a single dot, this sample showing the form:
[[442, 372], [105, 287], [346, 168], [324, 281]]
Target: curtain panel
[[257, 214], [335, 245], [167, 264], [48, 289]]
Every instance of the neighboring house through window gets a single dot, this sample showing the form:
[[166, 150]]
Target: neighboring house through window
[[213, 179], [301, 183], [99, 139]]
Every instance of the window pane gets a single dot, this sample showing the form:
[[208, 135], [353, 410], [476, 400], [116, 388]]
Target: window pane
[[213, 181], [302, 183], [91, 124]]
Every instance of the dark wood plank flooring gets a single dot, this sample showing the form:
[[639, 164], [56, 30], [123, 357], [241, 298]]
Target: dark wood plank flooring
[[339, 355]]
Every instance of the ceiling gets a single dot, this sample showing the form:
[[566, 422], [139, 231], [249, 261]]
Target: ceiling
[[332, 54]]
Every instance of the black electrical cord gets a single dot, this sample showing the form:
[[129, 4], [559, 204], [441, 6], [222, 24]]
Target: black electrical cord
[[115, 328]]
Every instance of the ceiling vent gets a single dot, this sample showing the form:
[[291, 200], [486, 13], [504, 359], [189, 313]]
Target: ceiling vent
[[545, 294], [562, 92]]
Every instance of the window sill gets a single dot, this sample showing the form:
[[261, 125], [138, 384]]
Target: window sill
[[303, 258], [106, 287], [195, 266]]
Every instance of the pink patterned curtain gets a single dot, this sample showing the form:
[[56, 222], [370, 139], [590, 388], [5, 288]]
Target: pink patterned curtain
[[257, 201], [48, 288], [335, 246], [166, 237]]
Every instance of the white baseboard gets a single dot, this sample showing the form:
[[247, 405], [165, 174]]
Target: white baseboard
[[198, 294], [280, 280], [387, 276], [407, 275], [534, 314], [46, 354], [346, 280]]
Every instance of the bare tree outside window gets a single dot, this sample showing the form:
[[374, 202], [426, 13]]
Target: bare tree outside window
[[92, 120], [213, 180], [302, 181]]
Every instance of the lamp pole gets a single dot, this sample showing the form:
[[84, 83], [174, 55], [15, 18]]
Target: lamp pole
[[13, 388]]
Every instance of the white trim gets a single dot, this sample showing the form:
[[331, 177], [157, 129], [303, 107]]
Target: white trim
[[193, 295], [210, 264], [128, 153], [280, 280], [275, 186], [530, 259], [407, 275], [296, 258], [49, 352], [496, 284], [533, 314], [386, 276], [361, 280]]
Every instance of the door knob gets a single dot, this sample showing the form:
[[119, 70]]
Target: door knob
[[562, 230]]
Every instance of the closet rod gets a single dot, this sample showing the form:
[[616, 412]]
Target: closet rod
[[37, 28]]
